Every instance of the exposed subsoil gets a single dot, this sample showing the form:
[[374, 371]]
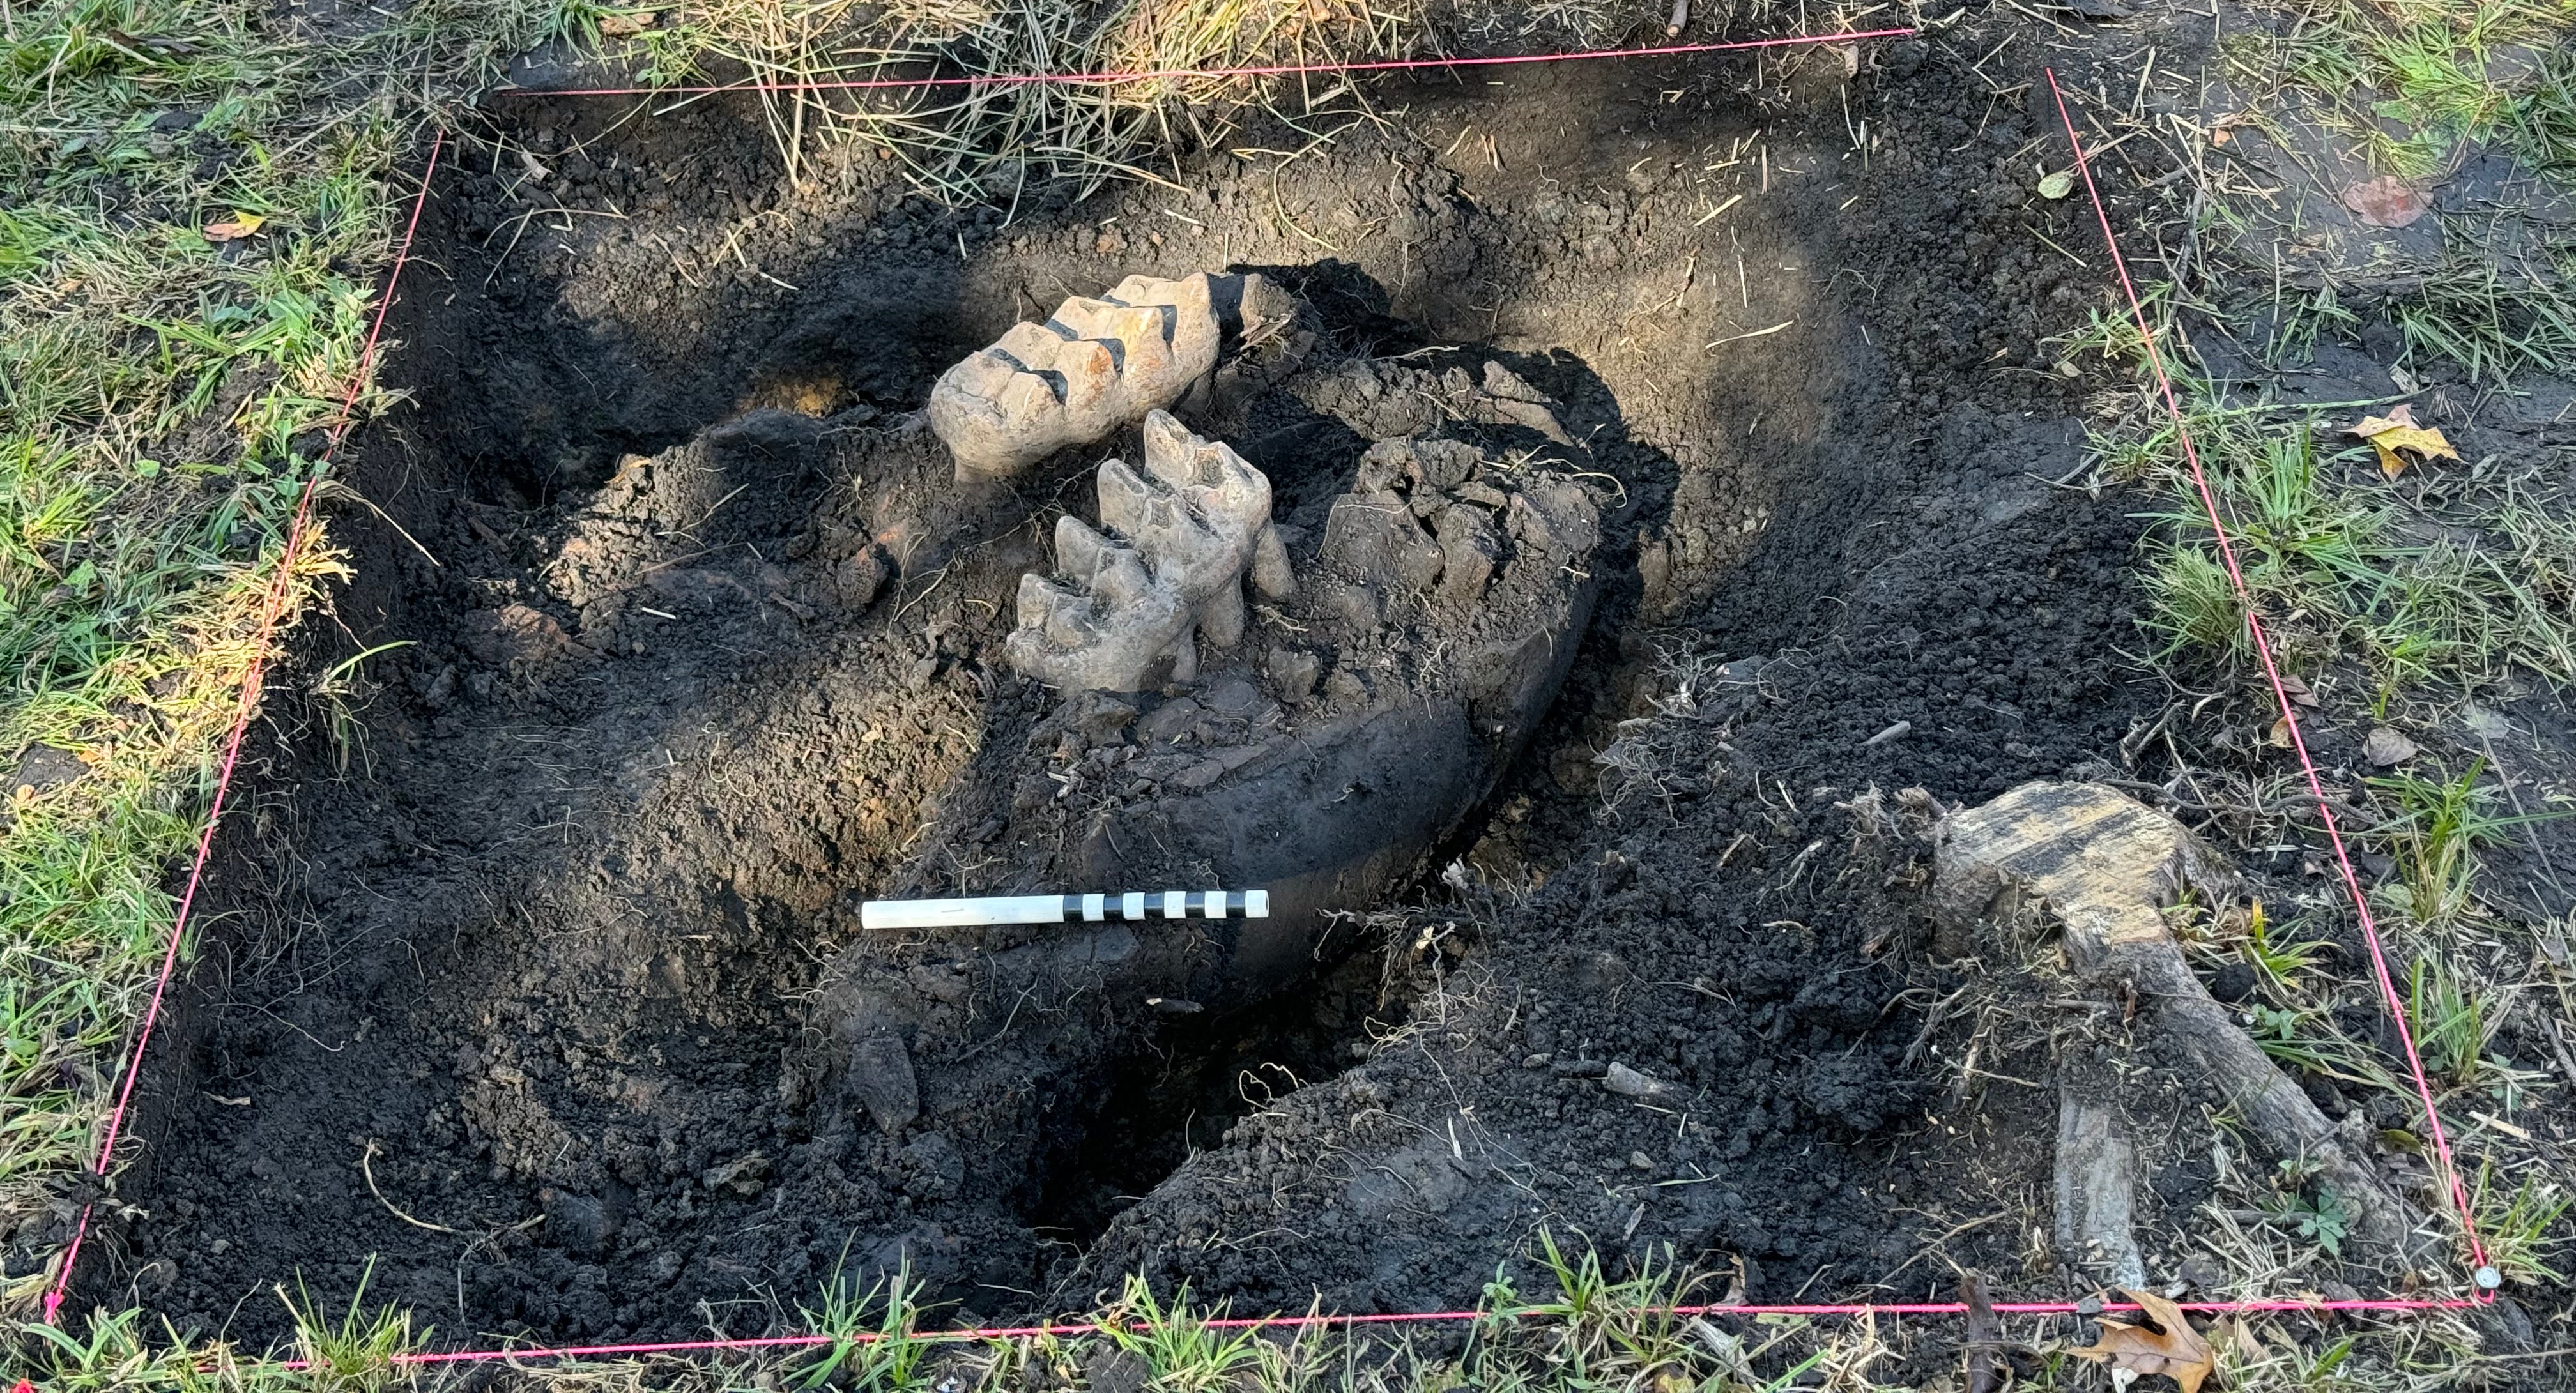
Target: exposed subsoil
[[533, 985]]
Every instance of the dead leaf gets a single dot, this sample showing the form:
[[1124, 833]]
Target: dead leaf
[[2298, 691], [2058, 185], [619, 24], [2171, 1347], [1850, 54], [2397, 431], [2386, 201], [2278, 737], [236, 227], [2387, 747]]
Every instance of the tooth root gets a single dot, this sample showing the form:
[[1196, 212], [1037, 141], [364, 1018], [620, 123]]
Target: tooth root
[[1270, 574], [1221, 615]]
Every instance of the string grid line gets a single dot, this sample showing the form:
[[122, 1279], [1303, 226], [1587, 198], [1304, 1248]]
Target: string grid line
[[272, 609], [2483, 1275], [274, 606]]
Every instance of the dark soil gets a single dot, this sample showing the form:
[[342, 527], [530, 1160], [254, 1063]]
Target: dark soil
[[529, 990]]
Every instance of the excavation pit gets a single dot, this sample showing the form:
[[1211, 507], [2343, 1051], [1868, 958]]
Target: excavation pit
[[541, 985]]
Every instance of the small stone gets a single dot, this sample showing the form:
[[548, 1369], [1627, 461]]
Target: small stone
[[858, 578], [1470, 549], [2386, 747], [744, 1176], [1628, 1083], [882, 1082], [1232, 697], [42, 766], [1641, 1160], [1168, 721], [1535, 1061], [1294, 671], [576, 1223], [1101, 718]]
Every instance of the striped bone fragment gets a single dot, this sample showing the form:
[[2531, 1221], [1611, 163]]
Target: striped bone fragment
[[1133, 601], [1094, 367]]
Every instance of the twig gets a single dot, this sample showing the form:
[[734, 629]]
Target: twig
[[369, 1155]]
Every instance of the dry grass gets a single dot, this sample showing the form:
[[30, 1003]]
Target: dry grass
[[990, 139]]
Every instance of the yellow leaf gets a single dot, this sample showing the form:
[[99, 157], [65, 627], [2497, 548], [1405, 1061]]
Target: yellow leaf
[[236, 227], [2397, 432]]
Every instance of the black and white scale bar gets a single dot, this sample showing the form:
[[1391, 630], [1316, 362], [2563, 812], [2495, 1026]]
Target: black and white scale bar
[[1132, 906]]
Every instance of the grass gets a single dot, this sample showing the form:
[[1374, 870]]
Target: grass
[[164, 396], [2389, 602], [876, 1343], [2520, 1225], [2416, 89], [2413, 81], [2428, 595], [2437, 828], [992, 141], [1588, 1332]]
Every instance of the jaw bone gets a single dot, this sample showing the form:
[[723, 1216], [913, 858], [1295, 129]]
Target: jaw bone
[[1181, 536], [1094, 367]]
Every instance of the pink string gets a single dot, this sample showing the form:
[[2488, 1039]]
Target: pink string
[[270, 611], [2280, 693], [53, 1300], [1112, 79]]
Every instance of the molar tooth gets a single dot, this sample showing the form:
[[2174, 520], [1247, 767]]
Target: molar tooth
[[1186, 529], [1093, 367]]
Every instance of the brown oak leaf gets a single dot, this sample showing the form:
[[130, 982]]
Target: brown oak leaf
[[2169, 1346]]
